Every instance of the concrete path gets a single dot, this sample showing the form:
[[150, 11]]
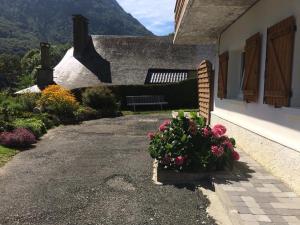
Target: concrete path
[[95, 173], [252, 196]]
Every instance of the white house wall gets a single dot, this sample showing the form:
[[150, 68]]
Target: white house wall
[[281, 125]]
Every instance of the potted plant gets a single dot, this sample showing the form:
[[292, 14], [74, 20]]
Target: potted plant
[[186, 144]]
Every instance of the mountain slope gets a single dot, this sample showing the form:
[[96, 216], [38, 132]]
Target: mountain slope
[[24, 23]]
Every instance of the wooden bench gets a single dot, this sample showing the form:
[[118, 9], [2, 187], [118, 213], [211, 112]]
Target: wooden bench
[[146, 100]]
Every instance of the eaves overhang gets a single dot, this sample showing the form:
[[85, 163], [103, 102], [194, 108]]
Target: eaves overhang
[[202, 21]]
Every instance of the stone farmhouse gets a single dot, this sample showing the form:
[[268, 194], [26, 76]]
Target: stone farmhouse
[[255, 91], [119, 60]]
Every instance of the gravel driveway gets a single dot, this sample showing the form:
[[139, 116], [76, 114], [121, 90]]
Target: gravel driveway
[[98, 172]]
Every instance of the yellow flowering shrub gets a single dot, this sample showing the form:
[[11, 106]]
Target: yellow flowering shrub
[[58, 100]]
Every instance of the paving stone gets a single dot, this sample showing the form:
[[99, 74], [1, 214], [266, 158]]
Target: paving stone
[[262, 199], [257, 211], [291, 219], [277, 219], [243, 210], [285, 195]]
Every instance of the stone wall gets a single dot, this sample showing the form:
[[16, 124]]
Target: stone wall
[[280, 160]]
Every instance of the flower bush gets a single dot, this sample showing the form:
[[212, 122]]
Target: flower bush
[[59, 101], [36, 126], [187, 144], [19, 138]]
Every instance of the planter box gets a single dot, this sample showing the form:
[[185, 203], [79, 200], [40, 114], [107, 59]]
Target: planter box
[[162, 176]]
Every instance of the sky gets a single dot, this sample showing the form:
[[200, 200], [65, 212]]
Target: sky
[[156, 15]]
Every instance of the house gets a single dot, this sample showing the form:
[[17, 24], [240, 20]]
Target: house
[[256, 84], [118, 60]]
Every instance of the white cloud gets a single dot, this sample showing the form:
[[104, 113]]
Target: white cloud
[[156, 15]]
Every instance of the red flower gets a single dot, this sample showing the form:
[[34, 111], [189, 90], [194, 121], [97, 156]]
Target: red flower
[[235, 155], [206, 132], [179, 161], [151, 135], [219, 130], [217, 151], [228, 144]]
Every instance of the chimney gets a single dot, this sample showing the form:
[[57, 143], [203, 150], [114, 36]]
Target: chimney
[[45, 72], [45, 55], [80, 34]]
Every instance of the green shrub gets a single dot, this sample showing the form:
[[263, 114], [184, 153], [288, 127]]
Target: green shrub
[[5, 126], [178, 95], [36, 126], [86, 113], [100, 98], [28, 101], [49, 120]]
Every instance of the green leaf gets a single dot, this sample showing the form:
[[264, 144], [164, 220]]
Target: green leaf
[[184, 138]]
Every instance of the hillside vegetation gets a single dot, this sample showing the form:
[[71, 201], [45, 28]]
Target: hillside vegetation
[[24, 23]]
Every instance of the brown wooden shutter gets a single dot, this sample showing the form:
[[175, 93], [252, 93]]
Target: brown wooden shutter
[[252, 68], [223, 73], [279, 64]]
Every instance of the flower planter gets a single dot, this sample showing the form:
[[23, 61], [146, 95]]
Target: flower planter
[[163, 176], [186, 144]]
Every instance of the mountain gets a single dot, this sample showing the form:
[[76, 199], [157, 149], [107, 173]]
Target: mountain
[[24, 23]]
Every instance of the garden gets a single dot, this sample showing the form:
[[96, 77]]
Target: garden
[[188, 144], [24, 119]]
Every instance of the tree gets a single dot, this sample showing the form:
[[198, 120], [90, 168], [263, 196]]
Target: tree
[[10, 69]]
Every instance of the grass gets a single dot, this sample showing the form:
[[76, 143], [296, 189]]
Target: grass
[[6, 154], [126, 113]]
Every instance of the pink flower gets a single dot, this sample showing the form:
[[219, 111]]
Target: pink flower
[[228, 144], [167, 122], [219, 130], [235, 155], [206, 132], [193, 127], [179, 161], [162, 128], [164, 125], [151, 135], [217, 151]]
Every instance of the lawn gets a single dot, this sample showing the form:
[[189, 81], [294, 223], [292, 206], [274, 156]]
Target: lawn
[[6, 154]]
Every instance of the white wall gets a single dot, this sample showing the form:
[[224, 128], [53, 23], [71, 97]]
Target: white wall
[[278, 124]]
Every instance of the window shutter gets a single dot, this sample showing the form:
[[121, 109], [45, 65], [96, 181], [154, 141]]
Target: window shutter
[[252, 68], [280, 49], [223, 73]]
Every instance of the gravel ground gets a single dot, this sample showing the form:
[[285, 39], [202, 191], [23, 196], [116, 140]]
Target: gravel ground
[[98, 172]]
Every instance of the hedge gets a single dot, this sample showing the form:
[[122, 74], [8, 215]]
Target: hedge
[[178, 95]]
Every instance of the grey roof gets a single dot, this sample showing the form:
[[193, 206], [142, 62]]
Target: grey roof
[[130, 58]]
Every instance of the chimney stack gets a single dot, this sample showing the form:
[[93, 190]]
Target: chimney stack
[[45, 55], [80, 34], [45, 72]]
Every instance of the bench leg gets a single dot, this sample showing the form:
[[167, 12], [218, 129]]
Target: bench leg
[[161, 107], [134, 108]]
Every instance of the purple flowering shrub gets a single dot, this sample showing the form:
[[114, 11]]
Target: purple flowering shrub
[[19, 138], [188, 144]]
